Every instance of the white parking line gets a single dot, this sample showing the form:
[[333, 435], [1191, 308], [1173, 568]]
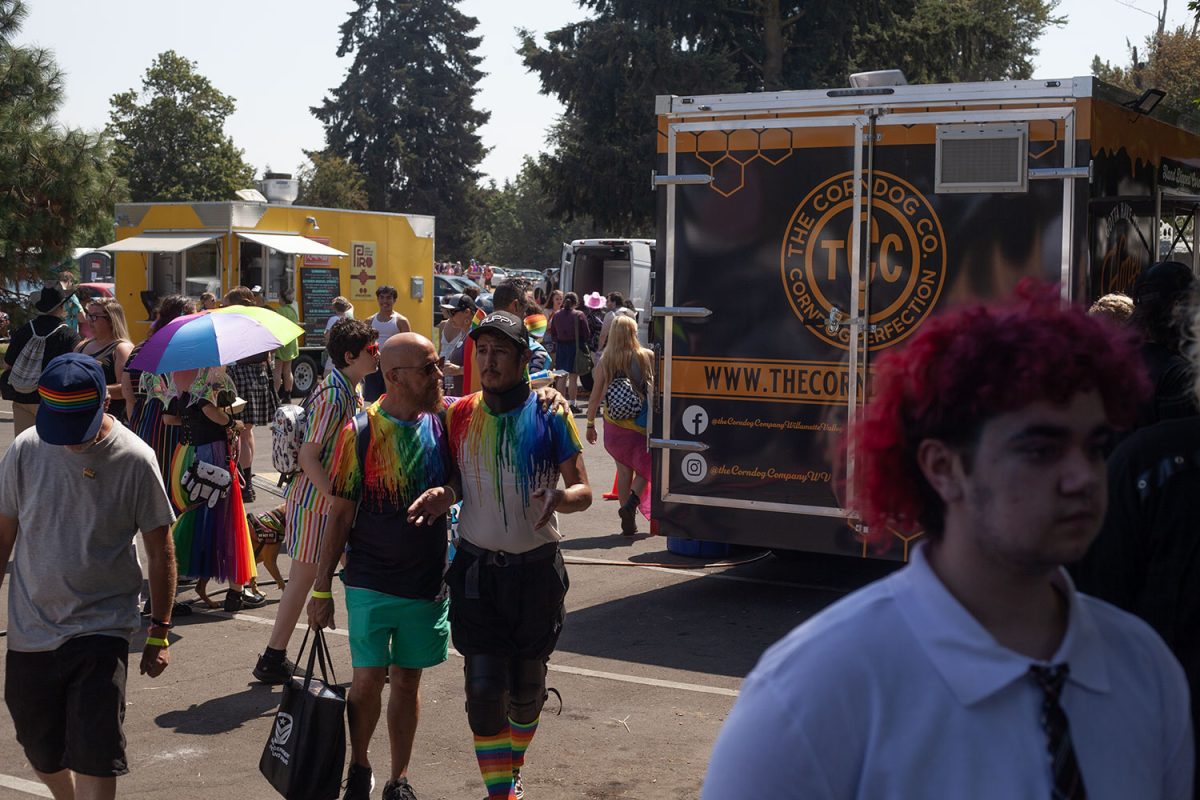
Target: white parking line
[[700, 573], [25, 787], [581, 671]]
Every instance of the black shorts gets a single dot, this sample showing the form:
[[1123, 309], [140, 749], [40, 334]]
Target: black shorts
[[519, 611], [68, 705]]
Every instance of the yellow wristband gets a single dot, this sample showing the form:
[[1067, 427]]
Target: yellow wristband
[[157, 642], [322, 595]]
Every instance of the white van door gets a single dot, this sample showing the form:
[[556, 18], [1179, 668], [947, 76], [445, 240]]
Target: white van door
[[640, 262], [566, 273]]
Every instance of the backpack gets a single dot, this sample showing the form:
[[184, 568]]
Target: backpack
[[26, 371], [621, 400], [287, 434]]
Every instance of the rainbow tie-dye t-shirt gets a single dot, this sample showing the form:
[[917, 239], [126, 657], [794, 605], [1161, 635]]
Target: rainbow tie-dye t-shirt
[[504, 459], [403, 459]]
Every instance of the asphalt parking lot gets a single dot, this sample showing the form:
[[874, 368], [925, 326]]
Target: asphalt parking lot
[[648, 666]]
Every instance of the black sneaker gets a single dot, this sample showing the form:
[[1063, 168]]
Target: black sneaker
[[518, 787], [274, 672], [398, 790], [359, 783]]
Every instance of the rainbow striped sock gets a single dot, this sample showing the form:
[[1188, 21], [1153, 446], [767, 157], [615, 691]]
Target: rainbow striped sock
[[494, 754], [522, 735]]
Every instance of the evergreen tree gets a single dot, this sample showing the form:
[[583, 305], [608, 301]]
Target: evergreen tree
[[330, 181], [607, 73], [405, 114], [57, 186], [607, 70], [170, 139]]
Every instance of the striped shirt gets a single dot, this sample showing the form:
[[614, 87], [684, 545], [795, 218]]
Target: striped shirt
[[334, 402]]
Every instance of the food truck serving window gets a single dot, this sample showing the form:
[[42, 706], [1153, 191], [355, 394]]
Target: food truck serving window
[[266, 267], [189, 272]]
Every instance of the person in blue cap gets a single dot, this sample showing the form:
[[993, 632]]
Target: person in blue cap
[[74, 596]]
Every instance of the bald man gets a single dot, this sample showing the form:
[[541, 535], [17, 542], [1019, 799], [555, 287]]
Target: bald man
[[395, 598]]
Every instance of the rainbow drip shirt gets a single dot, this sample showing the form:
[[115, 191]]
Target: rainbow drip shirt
[[503, 459], [403, 459]]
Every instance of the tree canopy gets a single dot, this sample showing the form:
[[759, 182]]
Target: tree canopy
[[1171, 63], [607, 71], [331, 181], [170, 141], [515, 228], [405, 114], [57, 186]]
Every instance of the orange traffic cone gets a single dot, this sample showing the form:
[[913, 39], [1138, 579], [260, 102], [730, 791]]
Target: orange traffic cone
[[613, 494]]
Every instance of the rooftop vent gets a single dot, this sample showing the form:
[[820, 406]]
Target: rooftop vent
[[279, 187], [881, 77]]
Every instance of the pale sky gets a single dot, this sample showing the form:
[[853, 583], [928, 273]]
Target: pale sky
[[277, 58]]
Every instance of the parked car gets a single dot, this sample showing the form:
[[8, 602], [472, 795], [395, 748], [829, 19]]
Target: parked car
[[446, 285]]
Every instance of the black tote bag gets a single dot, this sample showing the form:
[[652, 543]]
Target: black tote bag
[[306, 752]]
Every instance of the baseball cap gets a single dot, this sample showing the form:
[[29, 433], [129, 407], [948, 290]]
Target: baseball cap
[[505, 324], [453, 303], [1165, 279], [72, 390]]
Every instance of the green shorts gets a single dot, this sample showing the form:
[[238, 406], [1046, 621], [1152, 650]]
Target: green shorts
[[386, 630]]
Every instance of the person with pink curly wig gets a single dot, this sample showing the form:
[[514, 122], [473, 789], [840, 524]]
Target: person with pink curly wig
[[977, 670]]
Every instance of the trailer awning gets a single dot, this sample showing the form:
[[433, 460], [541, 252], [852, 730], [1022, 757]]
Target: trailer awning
[[159, 242], [292, 244]]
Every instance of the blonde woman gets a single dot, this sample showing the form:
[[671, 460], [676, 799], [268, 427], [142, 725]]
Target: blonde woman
[[110, 346], [625, 365]]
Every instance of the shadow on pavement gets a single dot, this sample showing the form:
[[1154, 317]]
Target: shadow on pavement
[[221, 714], [707, 626], [613, 542]]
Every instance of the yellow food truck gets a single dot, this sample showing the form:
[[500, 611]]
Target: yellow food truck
[[190, 248]]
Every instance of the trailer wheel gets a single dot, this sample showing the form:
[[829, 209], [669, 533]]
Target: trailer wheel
[[304, 374]]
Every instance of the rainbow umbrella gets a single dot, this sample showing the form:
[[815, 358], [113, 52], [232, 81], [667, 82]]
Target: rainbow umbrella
[[213, 338]]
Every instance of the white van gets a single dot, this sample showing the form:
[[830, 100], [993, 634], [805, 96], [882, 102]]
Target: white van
[[611, 265]]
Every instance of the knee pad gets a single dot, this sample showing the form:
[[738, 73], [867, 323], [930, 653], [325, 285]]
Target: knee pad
[[527, 690], [487, 679]]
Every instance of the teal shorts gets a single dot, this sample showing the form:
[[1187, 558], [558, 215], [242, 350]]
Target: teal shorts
[[386, 630]]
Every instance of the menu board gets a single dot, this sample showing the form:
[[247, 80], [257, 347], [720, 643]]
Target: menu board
[[318, 287]]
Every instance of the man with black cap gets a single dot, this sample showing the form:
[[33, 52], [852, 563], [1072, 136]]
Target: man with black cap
[[73, 600], [507, 581], [1161, 298], [48, 330]]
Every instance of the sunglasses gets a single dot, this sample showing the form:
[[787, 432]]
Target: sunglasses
[[429, 367], [94, 317], [372, 348]]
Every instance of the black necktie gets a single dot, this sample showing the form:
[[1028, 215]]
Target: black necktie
[[1068, 782]]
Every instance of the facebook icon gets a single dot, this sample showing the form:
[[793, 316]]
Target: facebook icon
[[695, 420]]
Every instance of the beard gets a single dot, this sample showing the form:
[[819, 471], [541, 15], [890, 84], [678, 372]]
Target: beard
[[433, 399]]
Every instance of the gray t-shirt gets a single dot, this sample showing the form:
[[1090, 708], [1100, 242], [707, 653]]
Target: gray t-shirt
[[75, 571]]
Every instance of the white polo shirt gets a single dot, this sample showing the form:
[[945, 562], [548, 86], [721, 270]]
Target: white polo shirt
[[898, 692]]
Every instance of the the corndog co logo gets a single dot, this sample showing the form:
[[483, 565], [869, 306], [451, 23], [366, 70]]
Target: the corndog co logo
[[907, 255]]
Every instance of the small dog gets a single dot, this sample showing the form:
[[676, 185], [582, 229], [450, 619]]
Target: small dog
[[266, 534]]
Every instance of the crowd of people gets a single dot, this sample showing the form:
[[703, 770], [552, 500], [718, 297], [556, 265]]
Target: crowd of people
[[1034, 641], [375, 484]]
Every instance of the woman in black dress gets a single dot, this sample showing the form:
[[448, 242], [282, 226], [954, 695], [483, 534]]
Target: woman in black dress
[[110, 346]]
